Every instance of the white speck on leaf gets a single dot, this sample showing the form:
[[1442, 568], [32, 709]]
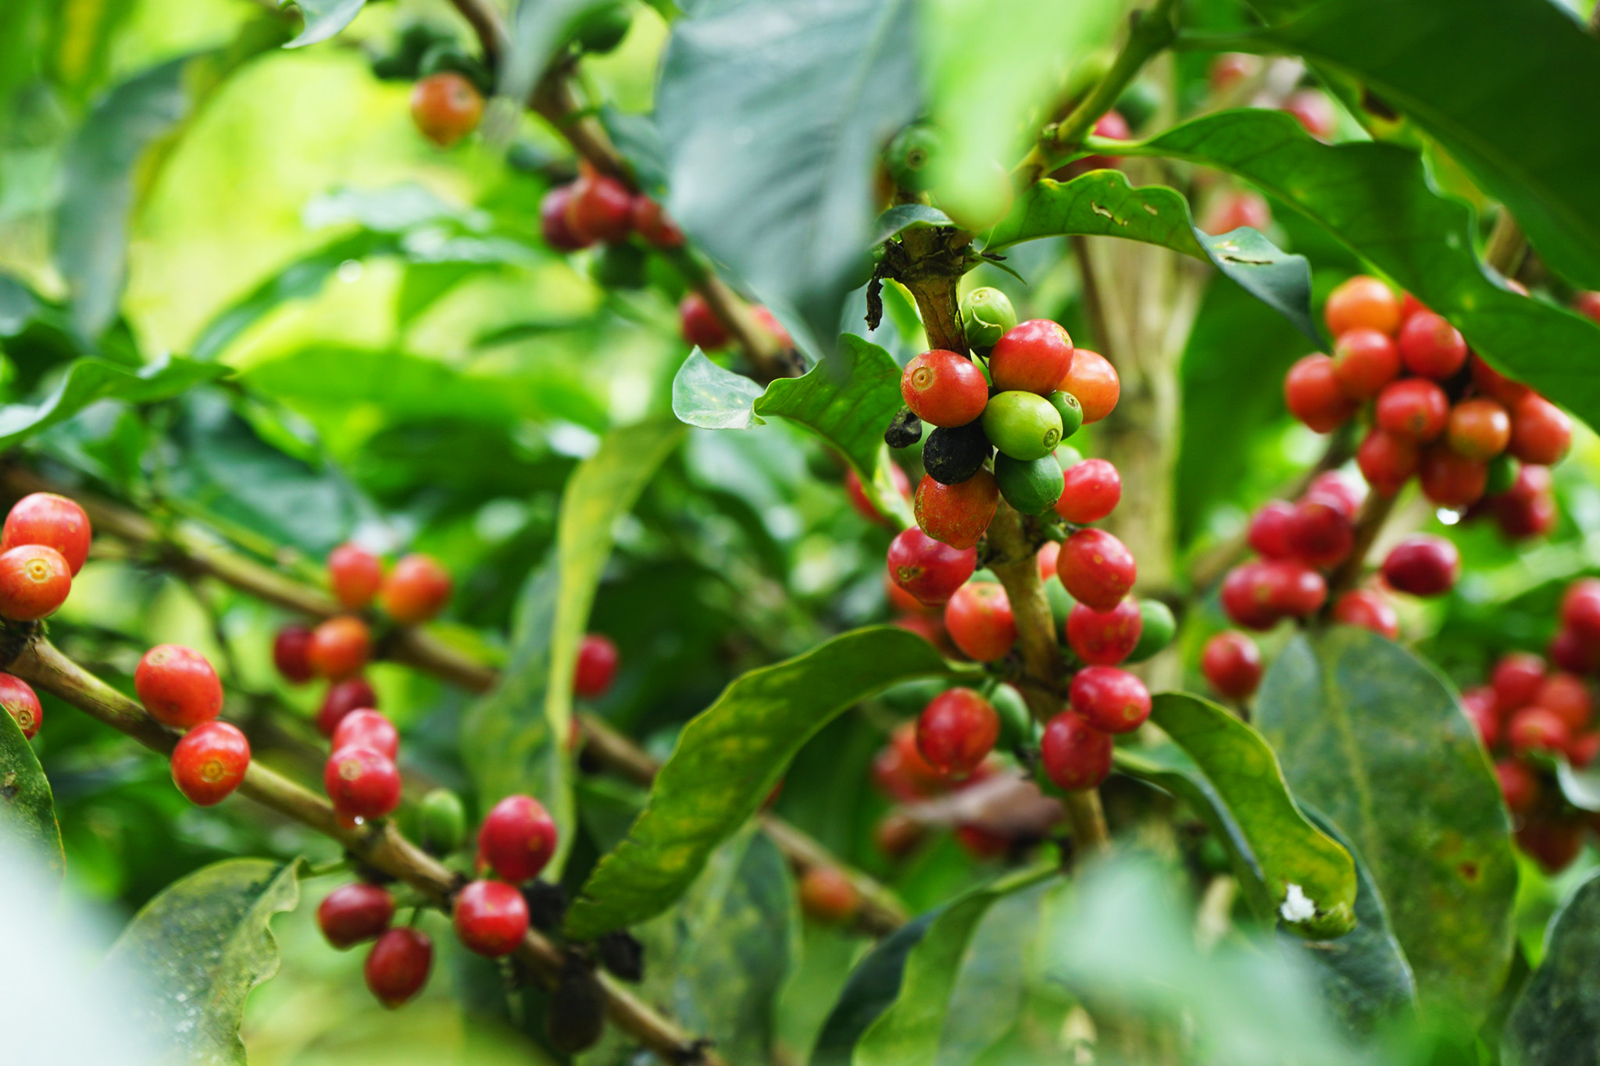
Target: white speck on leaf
[[1297, 906]]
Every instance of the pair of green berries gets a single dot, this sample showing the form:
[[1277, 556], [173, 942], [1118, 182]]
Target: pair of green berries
[[1026, 429]]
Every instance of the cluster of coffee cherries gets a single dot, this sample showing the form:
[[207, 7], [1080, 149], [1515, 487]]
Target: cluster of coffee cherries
[[1437, 411], [905, 776]]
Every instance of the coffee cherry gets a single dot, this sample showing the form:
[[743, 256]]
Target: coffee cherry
[[1096, 568], [1049, 552], [1528, 508], [517, 838], [1554, 842], [1502, 475], [398, 964], [339, 647], [1032, 488], [1570, 652], [1422, 565], [1032, 356], [1496, 385], [601, 208], [957, 515], [1516, 680], [1104, 638], [1580, 610], [901, 771], [1016, 721], [978, 618], [944, 389], [651, 223], [490, 918], [178, 686], [355, 575], [1362, 302], [986, 315], [1236, 209], [1540, 432], [1537, 728], [1364, 361], [209, 762], [927, 569], [1232, 664], [1269, 529], [1567, 697], [558, 232], [1076, 756], [1338, 490], [1587, 304], [857, 493], [1112, 700], [953, 455], [22, 704], [1090, 490], [1369, 609], [34, 581], [700, 325], [1298, 590], [366, 728], [51, 520], [909, 155], [828, 896], [1229, 68], [1258, 594], [341, 698], [957, 731], [1319, 531], [1314, 111], [1070, 411], [446, 107], [416, 590], [1413, 409], [1479, 705], [1314, 395], [362, 783], [351, 914], [1449, 479], [1387, 461], [1093, 380], [1431, 347], [897, 835], [291, 654], [1519, 785], [1022, 425], [1157, 627], [597, 666]]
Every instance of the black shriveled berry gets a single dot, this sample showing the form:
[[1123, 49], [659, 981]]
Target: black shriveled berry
[[547, 905], [623, 955], [905, 429], [576, 1016], [952, 456]]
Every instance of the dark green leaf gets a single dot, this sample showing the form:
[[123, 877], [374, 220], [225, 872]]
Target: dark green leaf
[[1556, 1022], [1374, 740], [902, 217], [324, 18], [27, 810], [727, 760], [711, 397], [872, 987], [88, 381]]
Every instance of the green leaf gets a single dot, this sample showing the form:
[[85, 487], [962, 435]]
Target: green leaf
[[200, 947], [1556, 1022], [1295, 872], [773, 113], [324, 18], [538, 29], [870, 990], [1376, 199], [1372, 738], [728, 758], [902, 217], [27, 809], [711, 397], [639, 142], [1102, 203], [88, 381]]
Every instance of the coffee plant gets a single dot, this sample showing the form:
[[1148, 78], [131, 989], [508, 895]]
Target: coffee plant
[[855, 533]]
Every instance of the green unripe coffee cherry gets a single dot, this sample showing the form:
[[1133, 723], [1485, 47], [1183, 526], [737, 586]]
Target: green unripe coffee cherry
[[619, 266], [443, 821], [1061, 601], [1016, 724], [1022, 425], [1157, 627], [1503, 472], [1070, 410], [1031, 486], [986, 314], [1068, 456], [911, 155], [602, 29]]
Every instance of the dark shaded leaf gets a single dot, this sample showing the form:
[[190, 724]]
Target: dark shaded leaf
[[872, 987], [90, 380], [1556, 1022], [27, 810], [902, 217]]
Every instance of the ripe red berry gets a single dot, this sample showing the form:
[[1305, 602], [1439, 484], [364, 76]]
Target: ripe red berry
[[1297, 590], [339, 647], [1519, 785], [1032, 356], [944, 389], [1369, 609], [1104, 638], [1572, 653], [1516, 679], [1314, 395], [1235, 209], [1552, 841], [446, 107], [178, 686], [957, 514], [22, 704], [416, 589], [957, 730], [1450, 479], [858, 494], [700, 325], [1320, 532], [1413, 409], [1314, 110], [1076, 755], [490, 918], [901, 771], [1431, 346], [351, 694], [1269, 529], [355, 575], [51, 520], [398, 964], [1364, 361], [650, 222], [1111, 700], [1387, 461], [1232, 664], [596, 668], [362, 783], [1229, 68], [1587, 304], [1481, 710], [927, 569], [1049, 552], [1096, 568], [1580, 610], [1362, 302], [291, 650], [558, 233], [1093, 489], [828, 896], [601, 208], [366, 728], [1259, 593], [1540, 432], [34, 581], [1478, 429], [978, 618], [1093, 380], [1422, 565], [1567, 697], [353, 913], [1537, 728], [517, 838], [1494, 384], [209, 762]]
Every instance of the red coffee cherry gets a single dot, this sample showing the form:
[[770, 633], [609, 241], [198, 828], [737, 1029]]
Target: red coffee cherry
[[828, 896], [351, 694], [1104, 638], [209, 762], [1516, 680], [1032, 356], [291, 654], [1422, 565], [1111, 700], [1580, 610], [178, 686], [1228, 68], [362, 783], [355, 575], [1494, 384], [957, 730], [601, 208], [1431, 346], [1369, 609], [34, 581], [1297, 590], [1552, 841], [1269, 529], [1076, 755], [416, 590], [959, 514], [858, 494], [1387, 461], [354, 913], [1248, 598], [1528, 509], [1567, 697], [897, 835], [1479, 705], [1362, 302], [597, 666], [944, 389], [1478, 429], [1093, 490], [446, 107], [1572, 653], [398, 964], [1232, 664], [558, 233], [1413, 409], [1540, 432], [1235, 209], [1314, 395], [1364, 361], [517, 838], [1093, 380], [490, 918], [1587, 304], [901, 771], [1320, 532], [700, 325], [1519, 785], [927, 569], [1450, 479], [1314, 110], [366, 728], [51, 520], [339, 647], [650, 221], [1537, 728], [22, 704], [1338, 490], [1112, 126], [978, 618], [1049, 552], [1096, 568]]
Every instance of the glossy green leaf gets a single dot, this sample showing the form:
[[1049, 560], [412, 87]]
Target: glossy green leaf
[[88, 381], [1294, 872], [1102, 203], [1556, 1022], [870, 990], [727, 760], [902, 217], [200, 947], [538, 29], [27, 809], [1372, 738], [1376, 199], [323, 19], [708, 396]]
